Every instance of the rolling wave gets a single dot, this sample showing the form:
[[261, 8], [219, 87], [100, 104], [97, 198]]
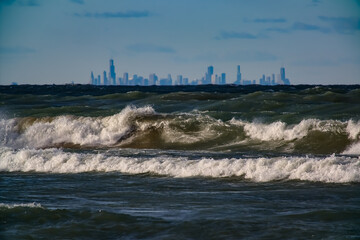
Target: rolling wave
[[331, 169], [144, 128]]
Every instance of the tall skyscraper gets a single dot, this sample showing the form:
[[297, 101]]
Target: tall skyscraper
[[238, 75], [126, 78], [112, 74], [208, 75], [153, 79], [262, 80], [284, 80], [223, 78], [210, 70], [105, 79], [92, 79], [179, 80], [282, 74]]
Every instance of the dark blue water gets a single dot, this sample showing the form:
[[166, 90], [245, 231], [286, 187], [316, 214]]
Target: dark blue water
[[209, 162]]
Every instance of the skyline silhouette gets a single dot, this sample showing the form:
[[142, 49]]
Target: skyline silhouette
[[58, 42], [210, 77]]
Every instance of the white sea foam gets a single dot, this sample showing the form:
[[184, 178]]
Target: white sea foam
[[354, 149], [332, 169], [76, 130], [15, 205], [8, 131], [282, 131], [353, 129], [185, 128]]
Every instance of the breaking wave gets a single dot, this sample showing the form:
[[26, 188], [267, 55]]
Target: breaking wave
[[354, 149], [45, 132], [281, 131], [144, 128], [331, 169]]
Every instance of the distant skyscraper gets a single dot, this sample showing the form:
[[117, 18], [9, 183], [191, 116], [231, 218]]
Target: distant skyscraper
[[112, 74], [208, 75], [146, 82], [125, 78], [92, 79], [268, 80], [179, 80], [284, 80], [262, 80], [169, 79], [163, 82], [133, 80], [105, 79], [166, 81], [223, 78], [210, 70], [139, 81], [238, 75], [152, 79], [282, 74]]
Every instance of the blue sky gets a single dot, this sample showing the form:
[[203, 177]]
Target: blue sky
[[59, 41]]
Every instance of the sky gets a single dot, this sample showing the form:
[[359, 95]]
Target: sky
[[60, 41]]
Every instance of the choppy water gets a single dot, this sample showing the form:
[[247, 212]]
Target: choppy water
[[203, 162]]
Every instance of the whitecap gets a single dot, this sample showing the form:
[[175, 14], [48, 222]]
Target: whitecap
[[332, 169]]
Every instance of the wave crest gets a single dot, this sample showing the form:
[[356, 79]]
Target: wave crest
[[143, 128], [332, 169], [282, 131], [84, 131]]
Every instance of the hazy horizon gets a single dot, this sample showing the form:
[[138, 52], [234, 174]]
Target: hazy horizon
[[53, 42]]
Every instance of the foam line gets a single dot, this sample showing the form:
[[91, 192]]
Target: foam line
[[15, 205], [331, 169]]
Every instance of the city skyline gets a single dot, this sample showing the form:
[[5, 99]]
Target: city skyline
[[210, 77], [58, 42]]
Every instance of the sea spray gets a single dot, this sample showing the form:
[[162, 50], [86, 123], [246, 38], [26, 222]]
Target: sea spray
[[87, 131]]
